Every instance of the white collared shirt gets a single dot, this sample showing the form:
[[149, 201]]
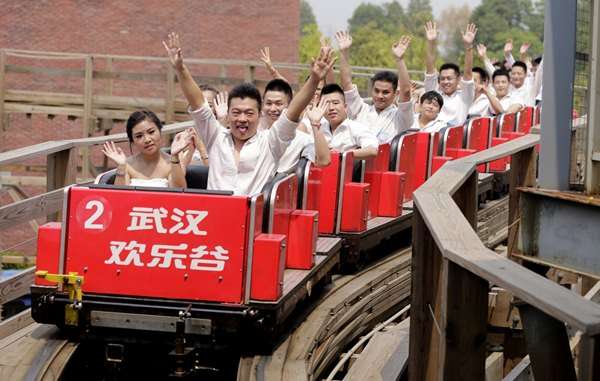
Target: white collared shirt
[[384, 125], [348, 135], [480, 107], [456, 106], [259, 157], [301, 146], [407, 108], [524, 92], [507, 101]]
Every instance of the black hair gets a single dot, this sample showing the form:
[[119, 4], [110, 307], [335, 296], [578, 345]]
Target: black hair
[[537, 60], [139, 116], [386, 76], [332, 88], [209, 88], [245, 90], [482, 73], [450, 66], [521, 64], [499, 73], [280, 85], [432, 96]]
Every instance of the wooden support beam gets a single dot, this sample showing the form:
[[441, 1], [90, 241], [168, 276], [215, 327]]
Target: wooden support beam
[[15, 323], [522, 174], [466, 305], [33, 207], [2, 88], [428, 280], [87, 113], [547, 344], [62, 171]]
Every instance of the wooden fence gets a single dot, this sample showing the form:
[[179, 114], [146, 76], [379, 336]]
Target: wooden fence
[[452, 271]]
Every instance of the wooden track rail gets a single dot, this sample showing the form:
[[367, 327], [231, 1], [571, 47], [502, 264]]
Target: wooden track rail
[[452, 271]]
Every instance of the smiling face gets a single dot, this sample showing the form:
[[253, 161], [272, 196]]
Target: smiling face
[[448, 81], [336, 110], [274, 103], [383, 95], [243, 118], [501, 86], [517, 76], [146, 137]]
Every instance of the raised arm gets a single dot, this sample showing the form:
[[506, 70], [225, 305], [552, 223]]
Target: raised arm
[[344, 41], [468, 38], [116, 154], [177, 177], [508, 47], [494, 102], [319, 69], [430, 51], [314, 115], [404, 84], [265, 57], [190, 89], [487, 63]]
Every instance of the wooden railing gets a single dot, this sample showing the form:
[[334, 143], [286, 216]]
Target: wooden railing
[[452, 271]]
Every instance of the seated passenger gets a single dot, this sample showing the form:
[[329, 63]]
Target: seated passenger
[[341, 133], [150, 166], [481, 104], [382, 117], [276, 98], [430, 104], [243, 159], [456, 101], [507, 102]]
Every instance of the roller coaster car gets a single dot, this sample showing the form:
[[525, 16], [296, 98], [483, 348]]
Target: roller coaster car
[[208, 266]]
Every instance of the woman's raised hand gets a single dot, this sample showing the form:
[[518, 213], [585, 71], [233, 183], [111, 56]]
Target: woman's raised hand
[[114, 153], [182, 141]]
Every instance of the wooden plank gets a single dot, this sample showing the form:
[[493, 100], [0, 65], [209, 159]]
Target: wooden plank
[[87, 113], [34, 207], [494, 367], [385, 357], [15, 323], [37, 109], [452, 232], [522, 174], [16, 286], [425, 328], [2, 88]]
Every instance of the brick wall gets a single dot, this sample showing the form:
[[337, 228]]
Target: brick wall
[[229, 29]]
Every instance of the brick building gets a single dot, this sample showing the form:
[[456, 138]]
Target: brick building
[[225, 29]]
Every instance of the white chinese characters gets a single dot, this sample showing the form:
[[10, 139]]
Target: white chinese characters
[[155, 219], [168, 256]]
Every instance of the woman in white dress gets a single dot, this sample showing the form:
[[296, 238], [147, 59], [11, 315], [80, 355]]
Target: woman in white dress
[[150, 166]]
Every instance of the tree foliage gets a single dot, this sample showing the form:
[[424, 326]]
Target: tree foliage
[[375, 28], [307, 16], [520, 20]]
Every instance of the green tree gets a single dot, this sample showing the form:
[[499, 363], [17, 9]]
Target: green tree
[[307, 15], [520, 20], [309, 42], [375, 28]]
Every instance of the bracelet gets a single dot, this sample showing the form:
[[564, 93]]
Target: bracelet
[[120, 173], [176, 161]]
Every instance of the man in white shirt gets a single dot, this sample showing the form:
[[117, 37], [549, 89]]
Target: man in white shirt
[[311, 144], [456, 101], [430, 103], [481, 104], [382, 117], [507, 102], [344, 134], [241, 158]]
